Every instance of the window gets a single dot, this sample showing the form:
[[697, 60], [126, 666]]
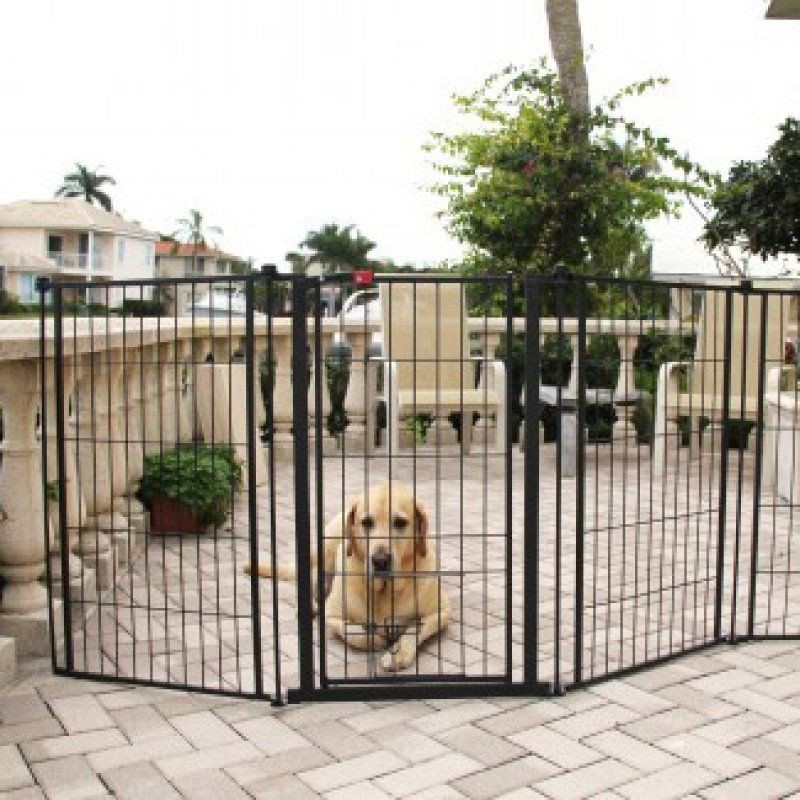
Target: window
[[55, 245], [27, 288], [222, 267], [201, 265]]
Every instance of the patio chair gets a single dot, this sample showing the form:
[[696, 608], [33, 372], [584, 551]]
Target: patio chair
[[694, 389], [428, 366]]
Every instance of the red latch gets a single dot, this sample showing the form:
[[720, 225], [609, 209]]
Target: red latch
[[362, 277]]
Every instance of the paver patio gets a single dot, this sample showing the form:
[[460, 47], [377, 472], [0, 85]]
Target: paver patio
[[721, 723]]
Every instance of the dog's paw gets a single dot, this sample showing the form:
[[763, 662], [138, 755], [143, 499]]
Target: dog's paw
[[398, 657]]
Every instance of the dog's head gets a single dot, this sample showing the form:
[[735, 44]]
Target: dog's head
[[387, 530]]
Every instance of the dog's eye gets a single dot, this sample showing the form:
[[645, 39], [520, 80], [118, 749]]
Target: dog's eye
[[368, 523], [400, 523]]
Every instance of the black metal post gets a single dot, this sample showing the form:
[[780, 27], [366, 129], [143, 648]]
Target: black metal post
[[301, 486], [580, 467]]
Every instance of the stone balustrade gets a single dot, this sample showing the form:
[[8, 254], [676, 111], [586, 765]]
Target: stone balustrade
[[128, 391]]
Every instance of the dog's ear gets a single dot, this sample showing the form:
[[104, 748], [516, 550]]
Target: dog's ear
[[350, 527], [421, 530]]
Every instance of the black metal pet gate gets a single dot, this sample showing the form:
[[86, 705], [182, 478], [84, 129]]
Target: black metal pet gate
[[582, 477]]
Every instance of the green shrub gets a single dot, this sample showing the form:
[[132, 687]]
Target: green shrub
[[142, 308], [200, 477], [8, 303]]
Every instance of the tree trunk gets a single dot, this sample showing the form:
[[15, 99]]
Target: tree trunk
[[565, 38]]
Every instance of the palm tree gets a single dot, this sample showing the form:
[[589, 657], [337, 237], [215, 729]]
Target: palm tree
[[86, 184], [336, 247], [298, 262], [565, 38], [193, 231]]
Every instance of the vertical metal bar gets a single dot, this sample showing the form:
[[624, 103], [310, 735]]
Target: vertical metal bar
[[509, 362], [301, 487], [58, 360], [531, 485], [580, 467], [762, 357], [319, 421], [723, 468], [42, 285], [252, 506]]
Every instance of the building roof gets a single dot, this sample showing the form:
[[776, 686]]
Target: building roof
[[68, 213], [182, 250]]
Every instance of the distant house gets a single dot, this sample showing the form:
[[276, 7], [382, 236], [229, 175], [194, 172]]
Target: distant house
[[68, 239], [178, 260]]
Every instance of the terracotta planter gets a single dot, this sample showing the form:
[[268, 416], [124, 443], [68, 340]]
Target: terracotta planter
[[170, 516]]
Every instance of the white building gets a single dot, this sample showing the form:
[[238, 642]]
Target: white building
[[69, 239]]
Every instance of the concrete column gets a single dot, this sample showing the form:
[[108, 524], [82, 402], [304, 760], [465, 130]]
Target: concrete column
[[282, 396], [23, 609]]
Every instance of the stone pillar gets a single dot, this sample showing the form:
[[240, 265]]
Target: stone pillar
[[169, 380], [626, 342], [356, 402], [186, 421], [318, 365], [23, 609], [484, 429]]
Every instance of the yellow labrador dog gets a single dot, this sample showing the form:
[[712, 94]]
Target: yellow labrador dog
[[382, 589]]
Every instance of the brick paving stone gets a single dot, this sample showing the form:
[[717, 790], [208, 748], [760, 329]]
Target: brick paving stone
[[448, 718], [672, 782], [204, 729], [364, 790], [28, 793], [525, 793], [765, 705], [28, 731], [77, 744], [14, 773], [410, 745], [129, 698], [335, 738], [630, 751], [284, 787], [114, 757], [693, 700], [210, 758], [781, 687], [726, 681], [437, 793], [430, 773], [594, 720], [392, 714], [81, 713], [25, 707], [69, 778], [736, 729], [319, 713], [788, 736], [140, 723], [351, 770], [553, 746], [210, 784], [261, 769], [586, 781], [481, 745], [770, 754], [666, 723], [707, 754], [626, 694], [761, 783], [651, 680], [536, 712], [738, 657], [505, 777], [270, 735], [140, 781]]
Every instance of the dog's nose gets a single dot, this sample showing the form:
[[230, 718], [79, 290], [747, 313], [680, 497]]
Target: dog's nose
[[381, 562]]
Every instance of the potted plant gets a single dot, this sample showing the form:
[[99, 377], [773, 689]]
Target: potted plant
[[642, 419], [739, 433], [189, 489], [600, 421]]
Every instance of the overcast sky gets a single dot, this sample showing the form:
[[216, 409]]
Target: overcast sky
[[273, 118]]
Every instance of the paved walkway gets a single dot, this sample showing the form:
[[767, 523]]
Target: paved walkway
[[725, 724]]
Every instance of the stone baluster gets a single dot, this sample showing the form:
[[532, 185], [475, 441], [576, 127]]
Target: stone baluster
[[186, 426], [483, 429], [94, 468], [67, 483], [282, 395], [626, 342], [169, 384], [319, 366], [23, 609], [130, 429], [355, 401]]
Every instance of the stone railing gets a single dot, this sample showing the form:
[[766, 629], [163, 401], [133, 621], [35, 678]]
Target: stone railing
[[128, 383]]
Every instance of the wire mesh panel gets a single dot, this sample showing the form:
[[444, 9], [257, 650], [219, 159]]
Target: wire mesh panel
[[160, 474], [412, 518]]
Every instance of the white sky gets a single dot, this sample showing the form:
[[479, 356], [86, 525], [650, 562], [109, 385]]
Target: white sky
[[275, 117]]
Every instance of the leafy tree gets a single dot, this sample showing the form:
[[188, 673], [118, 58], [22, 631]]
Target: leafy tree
[[298, 262], [86, 184], [525, 194], [193, 230], [758, 206], [335, 247]]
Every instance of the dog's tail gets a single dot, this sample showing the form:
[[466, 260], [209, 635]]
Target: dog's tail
[[283, 572]]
